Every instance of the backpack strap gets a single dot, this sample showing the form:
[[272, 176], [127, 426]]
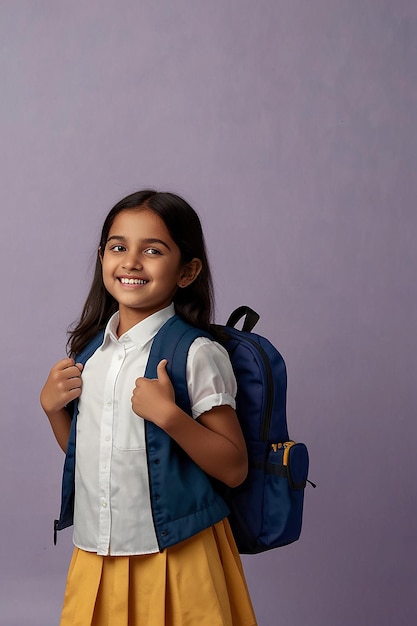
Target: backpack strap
[[90, 348], [172, 342]]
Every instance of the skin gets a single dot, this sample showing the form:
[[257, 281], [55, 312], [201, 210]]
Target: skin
[[140, 247]]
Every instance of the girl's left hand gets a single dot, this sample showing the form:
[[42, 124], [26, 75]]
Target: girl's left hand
[[154, 399]]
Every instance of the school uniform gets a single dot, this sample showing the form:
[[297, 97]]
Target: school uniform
[[152, 542]]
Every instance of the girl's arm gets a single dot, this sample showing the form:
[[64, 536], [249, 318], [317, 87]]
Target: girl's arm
[[215, 441], [62, 385]]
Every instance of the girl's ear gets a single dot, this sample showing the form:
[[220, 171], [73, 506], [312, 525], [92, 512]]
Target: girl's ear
[[100, 254], [189, 273]]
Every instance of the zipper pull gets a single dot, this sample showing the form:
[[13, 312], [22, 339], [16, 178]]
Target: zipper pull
[[287, 446]]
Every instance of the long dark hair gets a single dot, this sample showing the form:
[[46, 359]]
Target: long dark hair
[[193, 303]]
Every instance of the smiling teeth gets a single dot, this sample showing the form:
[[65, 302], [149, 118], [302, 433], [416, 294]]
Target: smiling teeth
[[132, 281]]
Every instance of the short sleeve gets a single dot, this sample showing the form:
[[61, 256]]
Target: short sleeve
[[210, 378]]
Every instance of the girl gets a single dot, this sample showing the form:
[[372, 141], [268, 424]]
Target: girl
[[152, 542]]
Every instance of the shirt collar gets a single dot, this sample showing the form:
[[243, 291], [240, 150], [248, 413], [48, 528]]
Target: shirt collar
[[141, 333]]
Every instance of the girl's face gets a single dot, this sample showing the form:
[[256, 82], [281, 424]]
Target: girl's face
[[142, 267]]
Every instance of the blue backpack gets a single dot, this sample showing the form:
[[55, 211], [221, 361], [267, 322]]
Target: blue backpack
[[266, 510]]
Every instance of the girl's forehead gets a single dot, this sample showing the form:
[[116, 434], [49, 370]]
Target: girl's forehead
[[138, 223]]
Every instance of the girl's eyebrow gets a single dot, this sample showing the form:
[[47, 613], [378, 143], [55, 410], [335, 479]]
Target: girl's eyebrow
[[116, 238], [148, 241]]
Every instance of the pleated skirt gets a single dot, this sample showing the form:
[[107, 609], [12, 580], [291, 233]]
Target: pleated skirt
[[198, 582]]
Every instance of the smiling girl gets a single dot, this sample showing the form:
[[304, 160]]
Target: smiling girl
[[152, 542]]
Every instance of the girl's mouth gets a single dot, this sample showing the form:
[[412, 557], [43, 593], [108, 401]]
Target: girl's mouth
[[132, 281]]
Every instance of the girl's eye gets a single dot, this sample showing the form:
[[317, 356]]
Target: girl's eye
[[118, 248], [152, 251]]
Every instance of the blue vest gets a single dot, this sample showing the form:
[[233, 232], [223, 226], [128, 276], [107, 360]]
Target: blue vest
[[183, 499]]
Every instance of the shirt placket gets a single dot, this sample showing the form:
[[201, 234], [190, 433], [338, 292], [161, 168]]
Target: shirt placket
[[106, 445]]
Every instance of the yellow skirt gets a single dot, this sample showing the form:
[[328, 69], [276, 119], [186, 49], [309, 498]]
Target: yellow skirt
[[198, 582]]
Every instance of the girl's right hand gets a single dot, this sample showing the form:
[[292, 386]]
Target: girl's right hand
[[62, 385]]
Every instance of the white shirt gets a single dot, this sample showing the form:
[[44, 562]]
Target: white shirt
[[112, 501]]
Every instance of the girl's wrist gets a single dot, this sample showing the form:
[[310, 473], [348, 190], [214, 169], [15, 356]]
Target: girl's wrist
[[169, 417], [57, 414]]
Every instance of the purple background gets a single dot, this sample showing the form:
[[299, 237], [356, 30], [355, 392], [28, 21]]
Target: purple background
[[291, 127]]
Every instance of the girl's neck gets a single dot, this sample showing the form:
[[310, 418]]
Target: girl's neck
[[129, 318]]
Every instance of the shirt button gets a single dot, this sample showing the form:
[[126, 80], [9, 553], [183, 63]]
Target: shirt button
[[103, 504], [107, 437], [109, 403]]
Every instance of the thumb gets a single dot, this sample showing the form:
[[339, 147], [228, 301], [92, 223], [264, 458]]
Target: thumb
[[161, 371], [80, 366]]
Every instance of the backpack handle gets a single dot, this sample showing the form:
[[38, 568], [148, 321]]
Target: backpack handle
[[251, 318]]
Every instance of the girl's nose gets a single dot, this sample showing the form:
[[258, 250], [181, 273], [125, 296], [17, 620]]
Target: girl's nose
[[132, 262]]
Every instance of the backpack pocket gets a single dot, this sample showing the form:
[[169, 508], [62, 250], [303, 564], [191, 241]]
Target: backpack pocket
[[286, 471], [296, 461], [267, 509]]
